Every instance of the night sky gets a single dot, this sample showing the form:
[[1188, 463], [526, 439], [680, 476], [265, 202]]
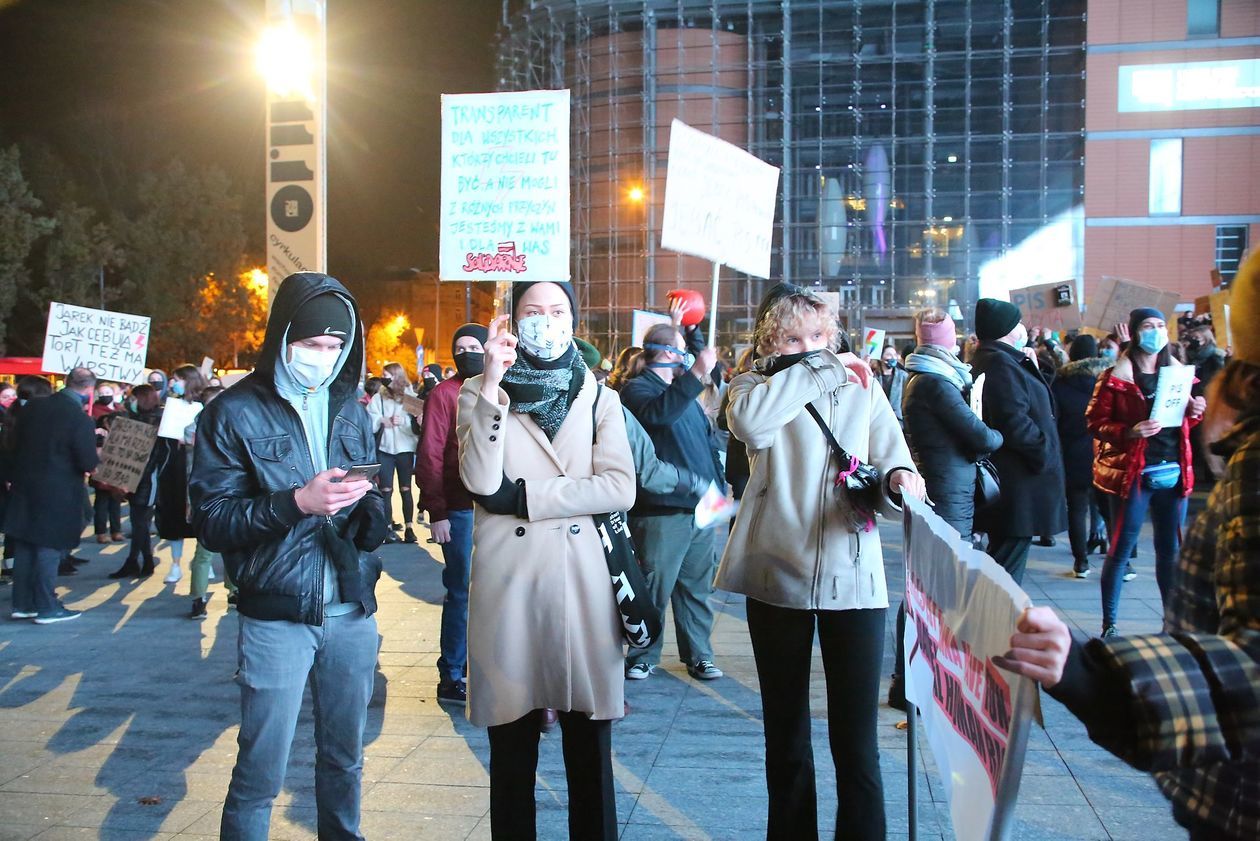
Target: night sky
[[116, 87]]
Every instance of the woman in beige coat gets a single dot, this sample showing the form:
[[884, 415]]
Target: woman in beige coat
[[540, 455], [796, 554]]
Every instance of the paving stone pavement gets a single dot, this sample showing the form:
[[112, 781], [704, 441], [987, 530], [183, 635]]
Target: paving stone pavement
[[122, 725]]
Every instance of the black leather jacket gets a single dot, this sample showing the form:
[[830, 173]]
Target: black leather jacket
[[251, 457]]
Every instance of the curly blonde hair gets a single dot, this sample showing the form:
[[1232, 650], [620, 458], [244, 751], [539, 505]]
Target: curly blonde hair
[[789, 313]]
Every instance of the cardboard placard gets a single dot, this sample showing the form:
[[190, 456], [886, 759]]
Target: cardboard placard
[[125, 454], [505, 186], [206, 367], [412, 405], [719, 201], [1116, 297], [1044, 306], [113, 344], [1218, 305]]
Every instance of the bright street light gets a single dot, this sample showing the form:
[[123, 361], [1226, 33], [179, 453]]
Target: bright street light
[[286, 60], [635, 194]]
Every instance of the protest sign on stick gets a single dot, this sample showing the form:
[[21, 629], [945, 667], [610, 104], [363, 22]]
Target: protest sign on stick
[[125, 454], [176, 415], [112, 344], [1115, 298], [719, 205], [1218, 305], [873, 342], [961, 609], [1051, 306], [505, 186]]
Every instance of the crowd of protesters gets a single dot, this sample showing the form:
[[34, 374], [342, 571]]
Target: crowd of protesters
[[513, 456]]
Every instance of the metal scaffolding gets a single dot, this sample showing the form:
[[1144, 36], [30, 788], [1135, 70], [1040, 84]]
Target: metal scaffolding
[[919, 139]]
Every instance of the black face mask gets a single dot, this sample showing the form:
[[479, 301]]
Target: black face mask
[[105, 401], [470, 364], [787, 360]]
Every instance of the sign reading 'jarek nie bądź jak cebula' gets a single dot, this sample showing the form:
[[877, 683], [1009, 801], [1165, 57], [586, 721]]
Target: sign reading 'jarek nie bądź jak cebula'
[[112, 344], [505, 186]]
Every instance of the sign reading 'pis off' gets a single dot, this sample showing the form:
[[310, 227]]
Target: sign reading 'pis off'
[[112, 344], [505, 186]]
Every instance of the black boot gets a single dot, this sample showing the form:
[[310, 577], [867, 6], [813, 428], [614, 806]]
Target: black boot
[[130, 569], [409, 536], [148, 568], [897, 693]]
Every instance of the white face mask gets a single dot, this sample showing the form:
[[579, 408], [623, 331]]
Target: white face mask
[[546, 337], [312, 367]]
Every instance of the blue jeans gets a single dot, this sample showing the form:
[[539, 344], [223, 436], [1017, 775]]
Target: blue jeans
[[457, 553], [274, 661], [34, 577], [1168, 512]]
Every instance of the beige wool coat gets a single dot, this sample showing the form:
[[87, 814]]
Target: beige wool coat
[[791, 545], [543, 626]]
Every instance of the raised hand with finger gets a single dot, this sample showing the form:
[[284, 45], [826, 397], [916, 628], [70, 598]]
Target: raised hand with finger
[[500, 354]]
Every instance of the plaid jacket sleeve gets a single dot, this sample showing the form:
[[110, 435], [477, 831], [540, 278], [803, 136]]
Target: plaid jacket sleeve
[[1193, 692]]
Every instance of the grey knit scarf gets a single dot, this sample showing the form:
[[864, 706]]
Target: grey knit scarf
[[545, 390]]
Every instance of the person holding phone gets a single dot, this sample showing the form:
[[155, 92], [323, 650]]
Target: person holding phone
[[267, 492], [541, 455]]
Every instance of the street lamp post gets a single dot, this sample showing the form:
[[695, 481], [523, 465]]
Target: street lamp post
[[292, 60]]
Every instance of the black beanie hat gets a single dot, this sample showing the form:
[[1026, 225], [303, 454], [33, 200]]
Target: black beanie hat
[[434, 369], [519, 289], [1137, 316], [994, 318], [1084, 346], [478, 331], [323, 315]]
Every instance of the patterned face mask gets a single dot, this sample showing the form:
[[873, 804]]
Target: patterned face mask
[[546, 337]]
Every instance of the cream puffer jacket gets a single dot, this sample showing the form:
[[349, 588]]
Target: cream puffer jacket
[[792, 545]]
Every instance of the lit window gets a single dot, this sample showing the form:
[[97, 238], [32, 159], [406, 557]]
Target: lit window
[[1203, 18], [1165, 185]]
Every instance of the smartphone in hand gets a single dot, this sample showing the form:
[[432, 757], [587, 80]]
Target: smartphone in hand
[[360, 471]]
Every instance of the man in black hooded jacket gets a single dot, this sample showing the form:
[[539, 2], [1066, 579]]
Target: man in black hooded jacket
[[267, 492]]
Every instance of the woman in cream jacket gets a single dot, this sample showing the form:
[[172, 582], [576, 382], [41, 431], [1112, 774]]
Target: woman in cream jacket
[[795, 554]]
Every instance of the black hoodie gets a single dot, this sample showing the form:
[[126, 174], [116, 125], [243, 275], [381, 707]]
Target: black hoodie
[[250, 460]]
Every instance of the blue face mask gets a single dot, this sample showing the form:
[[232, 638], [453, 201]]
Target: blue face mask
[[1153, 339], [687, 360], [177, 388], [1107, 353]]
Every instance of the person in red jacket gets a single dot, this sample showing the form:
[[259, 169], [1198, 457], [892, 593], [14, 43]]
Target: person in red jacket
[[1141, 464], [450, 507]]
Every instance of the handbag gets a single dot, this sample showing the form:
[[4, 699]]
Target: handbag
[[640, 618], [858, 485], [1162, 476], [988, 486]]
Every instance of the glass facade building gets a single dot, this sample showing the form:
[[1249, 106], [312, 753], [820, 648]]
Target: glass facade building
[[929, 148]]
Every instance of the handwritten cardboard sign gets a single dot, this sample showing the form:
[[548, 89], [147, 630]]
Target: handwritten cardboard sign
[[505, 186], [125, 454], [1044, 306], [113, 344], [413, 405], [719, 201], [1218, 305], [1116, 297]]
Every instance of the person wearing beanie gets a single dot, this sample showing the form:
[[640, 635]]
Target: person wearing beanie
[[269, 490], [1177, 703], [1072, 388], [1141, 465], [543, 451], [945, 437], [1016, 402], [430, 376], [450, 508]]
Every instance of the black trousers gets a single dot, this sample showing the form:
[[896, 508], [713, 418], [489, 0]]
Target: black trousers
[[852, 653], [141, 540], [1011, 553], [587, 765], [107, 513]]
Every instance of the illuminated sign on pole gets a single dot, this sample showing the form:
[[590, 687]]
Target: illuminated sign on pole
[[1195, 86], [291, 58]]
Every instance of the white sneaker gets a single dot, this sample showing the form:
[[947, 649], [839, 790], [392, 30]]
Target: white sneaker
[[211, 576], [174, 575]]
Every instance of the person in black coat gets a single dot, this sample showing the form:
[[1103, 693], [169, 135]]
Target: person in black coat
[[55, 445], [1016, 401], [1072, 389], [946, 439], [144, 407]]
